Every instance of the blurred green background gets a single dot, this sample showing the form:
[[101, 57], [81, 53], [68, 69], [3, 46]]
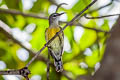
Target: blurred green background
[[83, 48]]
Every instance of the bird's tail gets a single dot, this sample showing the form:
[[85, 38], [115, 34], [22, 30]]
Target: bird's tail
[[59, 66]]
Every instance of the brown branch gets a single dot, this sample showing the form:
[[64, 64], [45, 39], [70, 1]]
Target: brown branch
[[15, 12], [99, 17], [9, 11], [24, 72]]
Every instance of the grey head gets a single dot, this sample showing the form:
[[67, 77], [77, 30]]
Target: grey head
[[54, 18]]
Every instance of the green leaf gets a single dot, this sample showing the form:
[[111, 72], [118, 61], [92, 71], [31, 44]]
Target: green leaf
[[92, 60], [80, 5], [38, 68], [38, 37], [40, 5], [8, 55], [19, 22], [74, 68], [87, 39], [69, 33], [91, 24], [105, 25], [64, 78]]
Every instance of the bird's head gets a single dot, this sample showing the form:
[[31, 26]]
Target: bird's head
[[54, 18]]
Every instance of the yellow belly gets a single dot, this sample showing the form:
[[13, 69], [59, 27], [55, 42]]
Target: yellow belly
[[51, 32]]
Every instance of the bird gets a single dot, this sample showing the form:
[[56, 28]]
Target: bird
[[55, 48]]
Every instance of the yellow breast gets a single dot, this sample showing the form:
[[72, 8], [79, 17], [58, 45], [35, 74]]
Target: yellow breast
[[50, 32]]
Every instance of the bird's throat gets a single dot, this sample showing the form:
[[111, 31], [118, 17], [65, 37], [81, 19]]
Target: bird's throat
[[54, 24]]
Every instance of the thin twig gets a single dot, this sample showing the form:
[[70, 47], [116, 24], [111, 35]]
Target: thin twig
[[101, 7], [60, 6], [99, 17], [95, 29], [69, 23]]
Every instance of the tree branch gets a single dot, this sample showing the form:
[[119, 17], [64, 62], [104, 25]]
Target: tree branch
[[9, 11], [99, 17], [101, 7], [15, 12], [95, 29], [24, 72]]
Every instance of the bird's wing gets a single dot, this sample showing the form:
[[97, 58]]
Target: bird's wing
[[60, 43], [62, 40]]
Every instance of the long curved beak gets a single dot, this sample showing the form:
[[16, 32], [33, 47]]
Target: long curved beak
[[61, 14]]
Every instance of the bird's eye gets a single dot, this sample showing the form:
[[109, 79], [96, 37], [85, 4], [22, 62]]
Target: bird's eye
[[54, 15]]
